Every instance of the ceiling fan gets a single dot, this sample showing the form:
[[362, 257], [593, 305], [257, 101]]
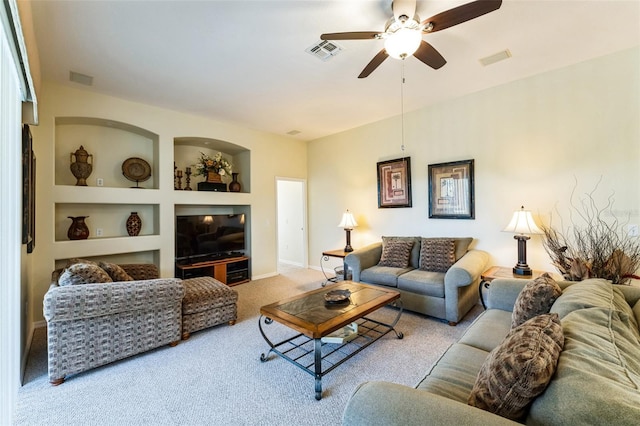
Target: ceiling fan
[[403, 32]]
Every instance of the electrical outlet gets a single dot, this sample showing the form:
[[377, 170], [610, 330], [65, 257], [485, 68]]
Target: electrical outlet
[[632, 230], [100, 182], [99, 232]]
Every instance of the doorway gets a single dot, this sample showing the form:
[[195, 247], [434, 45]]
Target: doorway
[[291, 224]]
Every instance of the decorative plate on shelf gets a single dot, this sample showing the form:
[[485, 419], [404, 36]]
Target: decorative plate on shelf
[[337, 296], [136, 169]]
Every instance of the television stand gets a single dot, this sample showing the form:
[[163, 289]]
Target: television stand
[[230, 270]]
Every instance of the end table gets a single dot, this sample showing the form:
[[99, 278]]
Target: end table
[[501, 272], [334, 253]]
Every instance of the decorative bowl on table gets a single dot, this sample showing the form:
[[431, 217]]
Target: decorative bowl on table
[[337, 296]]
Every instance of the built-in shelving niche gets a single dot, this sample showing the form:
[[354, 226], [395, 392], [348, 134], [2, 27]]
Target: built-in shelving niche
[[186, 152], [150, 256], [111, 219], [110, 143]]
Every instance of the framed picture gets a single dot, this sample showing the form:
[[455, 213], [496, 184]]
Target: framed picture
[[28, 190], [451, 190], [394, 183]]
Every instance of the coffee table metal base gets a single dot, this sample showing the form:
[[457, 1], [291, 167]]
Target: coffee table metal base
[[318, 358]]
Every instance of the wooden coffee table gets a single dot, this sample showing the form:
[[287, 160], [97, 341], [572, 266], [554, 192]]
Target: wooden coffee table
[[313, 319]]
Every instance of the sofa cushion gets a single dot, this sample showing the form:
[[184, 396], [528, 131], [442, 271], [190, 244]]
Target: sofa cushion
[[425, 283], [383, 275], [437, 254], [520, 368], [462, 246], [414, 260], [591, 293], [598, 375], [115, 271], [536, 298], [83, 273], [454, 374], [488, 330], [396, 253]]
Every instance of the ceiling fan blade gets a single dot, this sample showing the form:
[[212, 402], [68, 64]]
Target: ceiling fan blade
[[461, 14], [356, 35], [429, 55], [403, 7], [375, 62]]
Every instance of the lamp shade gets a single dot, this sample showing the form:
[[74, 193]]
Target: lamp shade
[[522, 223], [348, 221]]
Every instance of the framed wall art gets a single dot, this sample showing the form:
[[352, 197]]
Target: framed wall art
[[28, 190], [394, 183], [451, 190]]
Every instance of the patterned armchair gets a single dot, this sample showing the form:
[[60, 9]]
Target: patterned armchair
[[89, 325]]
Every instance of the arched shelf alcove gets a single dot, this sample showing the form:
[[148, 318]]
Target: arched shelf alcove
[[187, 151]]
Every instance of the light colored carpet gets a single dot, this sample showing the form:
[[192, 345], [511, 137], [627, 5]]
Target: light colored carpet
[[216, 377]]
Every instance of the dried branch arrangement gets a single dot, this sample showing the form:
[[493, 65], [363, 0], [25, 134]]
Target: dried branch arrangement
[[595, 245]]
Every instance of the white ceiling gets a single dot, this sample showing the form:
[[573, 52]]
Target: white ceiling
[[245, 61]]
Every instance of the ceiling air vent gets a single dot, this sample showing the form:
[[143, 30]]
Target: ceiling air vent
[[496, 57], [324, 50]]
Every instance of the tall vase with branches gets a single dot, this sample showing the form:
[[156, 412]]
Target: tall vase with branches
[[595, 244]]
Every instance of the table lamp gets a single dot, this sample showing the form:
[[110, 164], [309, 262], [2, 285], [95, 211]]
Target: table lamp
[[348, 223], [523, 225]]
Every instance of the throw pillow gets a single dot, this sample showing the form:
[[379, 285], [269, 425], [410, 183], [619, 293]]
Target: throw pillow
[[396, 253], [536, 298], [115, 271], [520, 368], [437, 254], [83, 273]]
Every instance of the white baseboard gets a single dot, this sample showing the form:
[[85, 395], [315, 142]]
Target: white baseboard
[[27, 346], [259, 277]]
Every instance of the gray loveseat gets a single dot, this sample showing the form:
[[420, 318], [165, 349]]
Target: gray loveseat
[[597, 379], [448, 293]]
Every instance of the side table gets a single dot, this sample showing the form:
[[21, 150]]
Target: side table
[[341, 254], [501, 272]]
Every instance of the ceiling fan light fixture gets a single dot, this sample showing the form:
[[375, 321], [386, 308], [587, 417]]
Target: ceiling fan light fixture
[[403, 42]]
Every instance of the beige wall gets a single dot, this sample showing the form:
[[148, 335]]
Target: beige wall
[[271, 156], [532, 140]]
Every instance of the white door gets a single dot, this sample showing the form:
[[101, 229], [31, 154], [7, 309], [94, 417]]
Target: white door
[[292, 229]]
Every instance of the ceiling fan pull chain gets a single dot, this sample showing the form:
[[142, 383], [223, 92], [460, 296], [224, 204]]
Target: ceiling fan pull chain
[[402, 105]]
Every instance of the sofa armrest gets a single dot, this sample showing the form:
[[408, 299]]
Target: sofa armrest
[[383, 403], [503, 293], [92, 300], [467, 269], [363, 258]]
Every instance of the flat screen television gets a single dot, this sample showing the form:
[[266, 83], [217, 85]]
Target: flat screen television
[[208, 237]]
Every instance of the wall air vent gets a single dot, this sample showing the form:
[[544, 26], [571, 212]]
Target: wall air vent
[[496, 57], [324, 50], [77, 77]]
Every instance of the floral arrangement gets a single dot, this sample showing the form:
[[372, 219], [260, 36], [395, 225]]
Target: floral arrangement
[[216, 164]]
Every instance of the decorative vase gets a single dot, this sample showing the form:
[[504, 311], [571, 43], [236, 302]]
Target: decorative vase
[[78, 229], [81, 166], [213, 177], [134, 224], [235, 186]]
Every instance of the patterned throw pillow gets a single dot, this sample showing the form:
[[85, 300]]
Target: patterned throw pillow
[[83, 273], [520, 368], [536, 298], [115, 271], [396, 253], [437, 254]]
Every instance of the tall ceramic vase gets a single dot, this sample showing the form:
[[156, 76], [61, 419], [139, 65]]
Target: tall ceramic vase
[[235, 186], [82, 166], [134, 224], [78, 229]]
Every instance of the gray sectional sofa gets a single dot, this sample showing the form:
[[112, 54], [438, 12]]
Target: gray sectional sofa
[[447, 293], [596, 381]]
